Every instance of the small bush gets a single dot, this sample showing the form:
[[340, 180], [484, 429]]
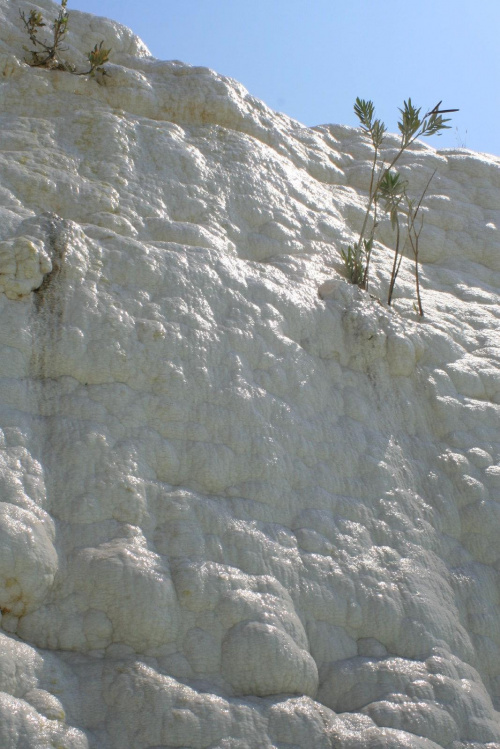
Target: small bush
[[97, 57], [46, 53], [387, 185]]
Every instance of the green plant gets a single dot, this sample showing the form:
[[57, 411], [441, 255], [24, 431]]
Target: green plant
[[388, 185], [46, 53], [97, 57], [354, 260]]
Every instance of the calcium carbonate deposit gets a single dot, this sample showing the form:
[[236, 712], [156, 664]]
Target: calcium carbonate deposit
[[245, 505]]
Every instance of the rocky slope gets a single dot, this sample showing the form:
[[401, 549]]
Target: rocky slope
[[237, 512]]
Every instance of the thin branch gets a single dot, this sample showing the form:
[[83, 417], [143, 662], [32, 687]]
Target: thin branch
[[395, 266], [414, 237]]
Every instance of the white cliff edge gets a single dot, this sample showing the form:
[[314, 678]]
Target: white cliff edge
[[243, 503]]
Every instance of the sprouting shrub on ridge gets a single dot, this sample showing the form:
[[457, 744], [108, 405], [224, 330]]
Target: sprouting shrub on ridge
[[388, 186], [46, 54]]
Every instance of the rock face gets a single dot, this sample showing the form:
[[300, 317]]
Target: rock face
[[236, 512]]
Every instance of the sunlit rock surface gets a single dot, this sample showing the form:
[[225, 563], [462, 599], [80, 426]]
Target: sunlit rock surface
[[244, 503]]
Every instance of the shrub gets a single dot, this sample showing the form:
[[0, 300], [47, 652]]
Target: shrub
[[46, 53], [387, 185]]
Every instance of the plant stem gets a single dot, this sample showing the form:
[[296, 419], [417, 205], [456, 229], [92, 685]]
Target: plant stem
[[395, 266], [415, 237]]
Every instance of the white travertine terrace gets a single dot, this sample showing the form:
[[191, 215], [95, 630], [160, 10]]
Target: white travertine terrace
[[236, 513]]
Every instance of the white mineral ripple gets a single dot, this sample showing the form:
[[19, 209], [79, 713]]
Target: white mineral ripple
[[236, 513]]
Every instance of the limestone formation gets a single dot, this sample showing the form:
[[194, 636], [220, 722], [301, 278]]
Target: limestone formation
[[244, 504]]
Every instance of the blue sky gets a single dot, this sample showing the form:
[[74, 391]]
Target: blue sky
[[311, 59]]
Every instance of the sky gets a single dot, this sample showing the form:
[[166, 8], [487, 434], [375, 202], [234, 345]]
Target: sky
[[312, 59]]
